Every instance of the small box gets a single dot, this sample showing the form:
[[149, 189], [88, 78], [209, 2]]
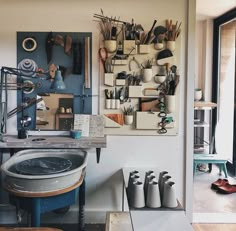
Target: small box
[[120, 82], [109, 79], [135, 91], [129, 47], [144, 48]]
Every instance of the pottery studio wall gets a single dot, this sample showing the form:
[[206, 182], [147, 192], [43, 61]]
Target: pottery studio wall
[[104, 180]]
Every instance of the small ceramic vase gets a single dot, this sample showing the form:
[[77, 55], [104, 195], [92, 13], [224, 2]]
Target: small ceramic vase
[[164, 179], [153, 195], [169, 198], [137, 199]]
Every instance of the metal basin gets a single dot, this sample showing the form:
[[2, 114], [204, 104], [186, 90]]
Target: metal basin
[[44, 170]]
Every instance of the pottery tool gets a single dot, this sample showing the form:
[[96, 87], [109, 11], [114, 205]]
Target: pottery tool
[[87, 62], [24, 105], [147, 39], [77, 58], [49, 45]]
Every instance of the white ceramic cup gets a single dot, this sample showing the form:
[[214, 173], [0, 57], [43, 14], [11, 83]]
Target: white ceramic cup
[[108, 103], [197, 94], [170, 103], [147, 75], [129, 119], [159, 78]]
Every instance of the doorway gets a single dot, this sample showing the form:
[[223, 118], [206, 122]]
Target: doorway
[[210, 206], [223, 85]]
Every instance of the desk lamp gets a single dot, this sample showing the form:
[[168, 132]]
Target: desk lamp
[[22, 83]]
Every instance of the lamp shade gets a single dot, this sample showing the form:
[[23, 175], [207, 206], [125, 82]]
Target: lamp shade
[[58, 83]]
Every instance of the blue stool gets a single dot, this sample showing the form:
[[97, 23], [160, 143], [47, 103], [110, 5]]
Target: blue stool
[[210, 159]]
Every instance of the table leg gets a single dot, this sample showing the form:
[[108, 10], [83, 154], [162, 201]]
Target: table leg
[[81, 206], [35, 215], [98, 152]]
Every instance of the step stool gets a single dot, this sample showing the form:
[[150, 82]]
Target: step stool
[[210, 159]]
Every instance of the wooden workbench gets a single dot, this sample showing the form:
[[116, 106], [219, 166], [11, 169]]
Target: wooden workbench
[[12, 143]]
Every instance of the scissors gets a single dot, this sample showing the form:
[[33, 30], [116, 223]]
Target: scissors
[[103, 56]]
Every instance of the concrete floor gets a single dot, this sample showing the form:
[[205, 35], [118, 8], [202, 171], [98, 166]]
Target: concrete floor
[[208, 205]]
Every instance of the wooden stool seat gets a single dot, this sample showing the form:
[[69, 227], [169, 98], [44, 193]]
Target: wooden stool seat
[[210, 159]]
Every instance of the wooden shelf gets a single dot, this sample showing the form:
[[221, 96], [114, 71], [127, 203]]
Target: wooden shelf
[[204, 105]]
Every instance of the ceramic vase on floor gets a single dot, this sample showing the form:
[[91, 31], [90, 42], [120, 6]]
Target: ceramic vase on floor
[[149, 176], [164, 179], [153, 195], [133, 177], [137, 199], [169, 196]]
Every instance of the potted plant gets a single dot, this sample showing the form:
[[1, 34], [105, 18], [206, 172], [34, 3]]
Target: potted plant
[[128, 115]]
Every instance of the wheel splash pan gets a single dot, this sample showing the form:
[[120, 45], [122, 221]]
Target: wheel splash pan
[[41, 170]]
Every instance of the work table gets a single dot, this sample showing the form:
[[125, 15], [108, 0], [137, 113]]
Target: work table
[[11, 142]]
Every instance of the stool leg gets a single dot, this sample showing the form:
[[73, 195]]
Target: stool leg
[[220, 168], [35, 215], [225, 170], [81, 206]]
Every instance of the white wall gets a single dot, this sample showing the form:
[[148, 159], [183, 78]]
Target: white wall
[[165, 153]]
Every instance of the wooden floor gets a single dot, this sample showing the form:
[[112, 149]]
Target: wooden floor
[[214, 227]]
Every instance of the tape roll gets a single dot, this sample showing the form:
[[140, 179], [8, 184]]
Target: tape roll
[[29, 44]]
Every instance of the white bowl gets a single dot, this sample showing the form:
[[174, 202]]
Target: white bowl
[[47, 182], [160, 78]]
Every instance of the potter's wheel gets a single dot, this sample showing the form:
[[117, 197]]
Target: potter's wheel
[[43, 166]]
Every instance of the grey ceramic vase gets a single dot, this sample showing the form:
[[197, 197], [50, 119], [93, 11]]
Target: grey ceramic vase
[[137, 199], [149, 176], [133, 177], [153, 195], [164, 179], [169, 196]]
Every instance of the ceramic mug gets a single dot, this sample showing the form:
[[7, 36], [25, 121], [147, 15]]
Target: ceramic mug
[[197, 94]]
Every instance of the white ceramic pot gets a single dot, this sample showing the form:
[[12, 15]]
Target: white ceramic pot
[[137, 199], [170, 45], [129, 119], [197, 94], [113, 104], [158, 46], [159, 78], [110, 45], [153, 195], [147, 75], [117, 103], [169, 196], [108, 103], [170, 103]]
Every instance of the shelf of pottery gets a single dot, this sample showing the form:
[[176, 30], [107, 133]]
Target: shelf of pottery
[[150, 189], [139, 77]]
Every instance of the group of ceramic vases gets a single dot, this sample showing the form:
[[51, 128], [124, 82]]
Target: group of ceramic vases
[[153, 193]]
